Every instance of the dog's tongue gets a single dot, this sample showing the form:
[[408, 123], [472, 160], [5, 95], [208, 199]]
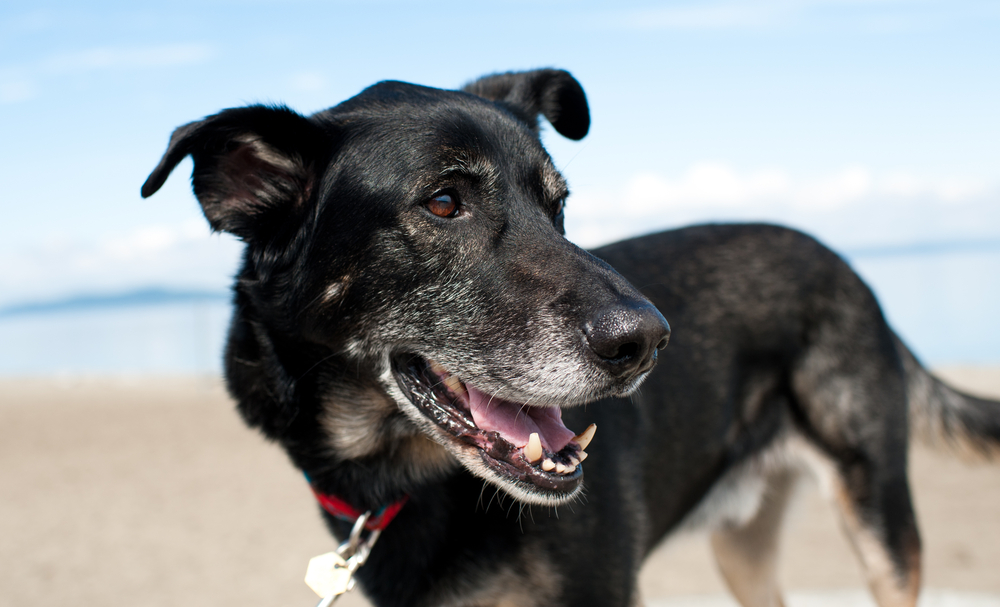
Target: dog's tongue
[[516, 421]]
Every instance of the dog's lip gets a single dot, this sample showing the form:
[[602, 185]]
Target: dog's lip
[[447, 402]]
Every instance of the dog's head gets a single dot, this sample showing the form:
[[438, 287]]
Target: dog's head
[[406, 249]]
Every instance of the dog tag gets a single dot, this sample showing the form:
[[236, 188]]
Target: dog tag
[[329, 575]]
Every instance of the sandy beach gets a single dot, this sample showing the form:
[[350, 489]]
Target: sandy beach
[[153, 492]]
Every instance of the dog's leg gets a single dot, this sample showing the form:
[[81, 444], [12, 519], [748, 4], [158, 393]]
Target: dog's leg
[[850, 405], [867, 481], [747, 554], [854, 419], [877, 516]]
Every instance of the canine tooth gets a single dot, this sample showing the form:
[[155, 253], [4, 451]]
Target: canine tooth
[[570, 469], [560, 468], [583, 439], [583, 455], [455, 385], [437, 368], [548, 464], [573, 462], [533, 450]]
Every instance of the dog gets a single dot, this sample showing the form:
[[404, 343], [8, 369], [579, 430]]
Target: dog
[[412, 326]]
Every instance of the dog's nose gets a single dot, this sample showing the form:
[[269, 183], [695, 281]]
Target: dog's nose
[[626, 337]]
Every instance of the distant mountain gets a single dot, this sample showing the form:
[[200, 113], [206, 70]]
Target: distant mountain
[[130, 299]]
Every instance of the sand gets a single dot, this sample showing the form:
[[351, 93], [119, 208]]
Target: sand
[[152, 492]]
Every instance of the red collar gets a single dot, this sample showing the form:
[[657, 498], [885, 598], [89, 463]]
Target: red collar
[[339, 508]]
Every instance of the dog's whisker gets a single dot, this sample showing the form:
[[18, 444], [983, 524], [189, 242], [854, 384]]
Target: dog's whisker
[[495, 496], [578, 152], [492, 396], [317, 364], [479, 502], [510, 508]]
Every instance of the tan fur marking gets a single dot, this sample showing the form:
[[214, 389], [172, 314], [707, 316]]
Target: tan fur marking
[[333, 292], [890, 589], [637, 598], [747, 555], [358, 425], [883, 580], [355, 421]]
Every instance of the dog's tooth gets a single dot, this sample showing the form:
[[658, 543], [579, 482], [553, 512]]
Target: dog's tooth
[[560, 468], [533, 450], [548, 465], [571, 469], [437, 368], [583, 439], [573, 461], [455, 385], [583, 455]]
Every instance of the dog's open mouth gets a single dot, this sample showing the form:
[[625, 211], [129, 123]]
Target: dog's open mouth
[[519, 442]]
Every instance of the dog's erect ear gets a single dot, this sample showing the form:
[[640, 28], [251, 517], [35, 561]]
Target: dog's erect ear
[[253, 166], [553, 93]]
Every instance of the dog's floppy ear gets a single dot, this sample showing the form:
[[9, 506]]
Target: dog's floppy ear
[[553, 93], [253, 166]]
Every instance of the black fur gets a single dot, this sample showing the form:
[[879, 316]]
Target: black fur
[[780, 356]]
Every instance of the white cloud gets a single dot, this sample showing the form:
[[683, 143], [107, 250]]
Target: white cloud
[[847, 198], [184, 255], [951, 190], [706, 183], [146, 242], [831, 191], [847, 208], [716, 184]]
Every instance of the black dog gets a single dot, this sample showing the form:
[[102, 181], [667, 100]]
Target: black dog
[[410, 322]]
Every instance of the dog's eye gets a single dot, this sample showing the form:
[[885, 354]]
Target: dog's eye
[[560, 207], [559, 219], [444, 205]]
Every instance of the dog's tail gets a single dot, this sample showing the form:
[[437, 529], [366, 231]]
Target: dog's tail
[[941, 416]]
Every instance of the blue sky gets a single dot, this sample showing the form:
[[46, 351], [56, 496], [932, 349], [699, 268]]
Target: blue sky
[[870, 123]]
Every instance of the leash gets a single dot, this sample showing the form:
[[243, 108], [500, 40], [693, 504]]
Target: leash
[[331, 575]]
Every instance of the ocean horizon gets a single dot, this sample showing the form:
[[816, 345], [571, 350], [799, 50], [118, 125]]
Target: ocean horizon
[[941, 300]]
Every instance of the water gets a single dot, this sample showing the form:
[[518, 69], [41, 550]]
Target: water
[[945, 306], [175, 338]]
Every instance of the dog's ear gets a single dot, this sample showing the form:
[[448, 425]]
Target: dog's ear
[[553, 93], [253, 166]]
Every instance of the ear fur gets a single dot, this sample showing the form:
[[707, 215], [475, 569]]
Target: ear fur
[[553, 93], [253, 166]]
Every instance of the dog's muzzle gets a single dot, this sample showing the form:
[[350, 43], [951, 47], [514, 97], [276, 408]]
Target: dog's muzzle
[[519, 442]]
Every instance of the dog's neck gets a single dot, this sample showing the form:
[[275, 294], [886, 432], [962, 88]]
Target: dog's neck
[[340, 509], [279, 385]]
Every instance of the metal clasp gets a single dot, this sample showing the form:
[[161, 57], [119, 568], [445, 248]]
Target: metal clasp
[[331, 575]]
